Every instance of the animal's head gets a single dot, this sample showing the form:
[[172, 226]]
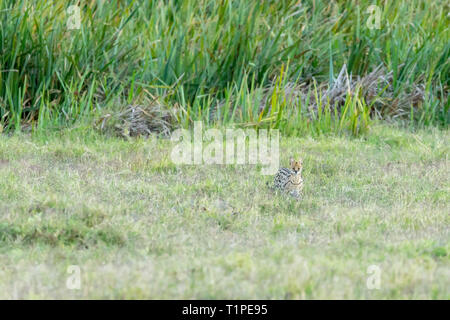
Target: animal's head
[[297, 165]]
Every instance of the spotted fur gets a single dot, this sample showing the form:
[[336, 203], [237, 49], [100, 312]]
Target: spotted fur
[[290, 179]]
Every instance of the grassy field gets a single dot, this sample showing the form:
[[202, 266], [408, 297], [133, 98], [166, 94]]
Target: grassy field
[[140, 227], [262, 63], [359, 89]]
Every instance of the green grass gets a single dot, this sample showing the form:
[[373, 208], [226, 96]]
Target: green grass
[[140, 227], [374, 144], [196, 55]]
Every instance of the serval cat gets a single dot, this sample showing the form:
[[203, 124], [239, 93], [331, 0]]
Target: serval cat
[[290, 179]]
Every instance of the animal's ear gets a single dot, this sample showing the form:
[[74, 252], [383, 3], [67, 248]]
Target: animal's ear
[[291, 161], [300, 160]]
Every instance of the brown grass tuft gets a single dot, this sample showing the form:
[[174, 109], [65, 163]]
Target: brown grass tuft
[[138, 120]]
